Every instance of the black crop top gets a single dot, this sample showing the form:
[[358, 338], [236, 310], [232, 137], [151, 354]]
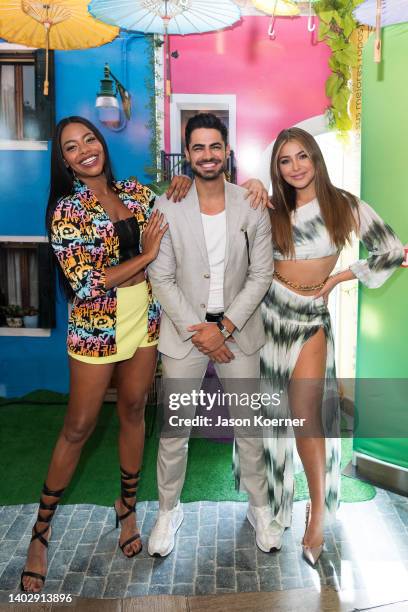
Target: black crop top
[[129, 236]]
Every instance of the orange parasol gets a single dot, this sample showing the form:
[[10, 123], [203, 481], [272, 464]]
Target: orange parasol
[[53, 24]]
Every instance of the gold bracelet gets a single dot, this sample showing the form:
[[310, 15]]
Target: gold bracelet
[[300, 287]]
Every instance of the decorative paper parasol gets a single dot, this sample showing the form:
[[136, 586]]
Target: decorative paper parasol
[[281, 8], [276, 8], [167, 17], [52, 24], [311, 26], [379, 13], [392, 11]]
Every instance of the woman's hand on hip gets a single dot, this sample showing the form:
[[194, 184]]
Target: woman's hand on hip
[[332, 281], [328, 286]]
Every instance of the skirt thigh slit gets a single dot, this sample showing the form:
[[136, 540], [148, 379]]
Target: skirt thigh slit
[[290, 320]]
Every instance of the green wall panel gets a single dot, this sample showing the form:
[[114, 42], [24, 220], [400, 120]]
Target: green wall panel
[[382, 345]]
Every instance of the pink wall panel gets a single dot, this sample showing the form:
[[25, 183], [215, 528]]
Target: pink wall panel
[[277, 82]]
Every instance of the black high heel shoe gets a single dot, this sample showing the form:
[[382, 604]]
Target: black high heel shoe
[[39, 535], [128, 490]]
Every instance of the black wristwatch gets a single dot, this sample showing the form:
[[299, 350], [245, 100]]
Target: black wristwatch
[[223, 329]]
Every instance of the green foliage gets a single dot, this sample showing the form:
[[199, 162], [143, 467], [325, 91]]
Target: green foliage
[[12, 310], [337, 24], [31, 311], [155, 90], [159, 187]]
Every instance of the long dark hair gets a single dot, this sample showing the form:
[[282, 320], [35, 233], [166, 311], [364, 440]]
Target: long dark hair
[[62, 182], [336, 205]]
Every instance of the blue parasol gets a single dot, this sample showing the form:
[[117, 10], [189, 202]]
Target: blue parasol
[[167, 17]]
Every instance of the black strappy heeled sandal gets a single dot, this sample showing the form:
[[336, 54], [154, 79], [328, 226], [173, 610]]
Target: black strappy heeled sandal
[[128, 490], [39, 535]]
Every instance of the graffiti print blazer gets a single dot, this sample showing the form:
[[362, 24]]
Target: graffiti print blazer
[[86, 244]]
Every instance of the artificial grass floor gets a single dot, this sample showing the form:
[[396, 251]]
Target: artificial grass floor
[[28, 431]]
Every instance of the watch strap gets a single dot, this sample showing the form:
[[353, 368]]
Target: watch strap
[[223, 330]]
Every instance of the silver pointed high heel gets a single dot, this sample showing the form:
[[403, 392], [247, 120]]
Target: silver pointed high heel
[[311, 554]]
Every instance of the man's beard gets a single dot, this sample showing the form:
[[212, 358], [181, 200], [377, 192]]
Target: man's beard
[[210, 177]]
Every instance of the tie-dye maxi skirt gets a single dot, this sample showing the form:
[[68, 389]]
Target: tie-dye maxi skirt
[[290, 320]]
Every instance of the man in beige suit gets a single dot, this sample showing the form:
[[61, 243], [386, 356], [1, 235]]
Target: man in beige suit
[[214, 267]]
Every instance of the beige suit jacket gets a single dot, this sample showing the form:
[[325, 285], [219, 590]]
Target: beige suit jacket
[[180, 275]]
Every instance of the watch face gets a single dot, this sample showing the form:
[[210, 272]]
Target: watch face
[[224, 331]]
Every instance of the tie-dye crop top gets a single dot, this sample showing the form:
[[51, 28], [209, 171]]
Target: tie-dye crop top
[[312, 241]]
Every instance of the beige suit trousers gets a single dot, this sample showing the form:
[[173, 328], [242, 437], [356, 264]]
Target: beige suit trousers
[[172, 456]]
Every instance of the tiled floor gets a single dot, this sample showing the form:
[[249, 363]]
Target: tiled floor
[[367, 548]]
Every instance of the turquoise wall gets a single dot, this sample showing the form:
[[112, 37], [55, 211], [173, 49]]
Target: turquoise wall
[[33, 363], [383, 330]]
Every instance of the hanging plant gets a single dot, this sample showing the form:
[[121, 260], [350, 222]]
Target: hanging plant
[[337, 25], [155, 94]]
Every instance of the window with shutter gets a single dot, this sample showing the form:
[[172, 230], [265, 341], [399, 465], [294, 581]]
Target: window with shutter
[[27, 116], [27, 286]]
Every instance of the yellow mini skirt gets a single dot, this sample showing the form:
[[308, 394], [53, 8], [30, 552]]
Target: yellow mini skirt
[[131, 325]]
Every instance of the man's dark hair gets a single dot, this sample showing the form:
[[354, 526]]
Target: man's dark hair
[[205, 120]]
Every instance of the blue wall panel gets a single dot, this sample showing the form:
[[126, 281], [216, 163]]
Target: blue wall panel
[[23, 191], [27, 364], [41, 363], [128, 59]]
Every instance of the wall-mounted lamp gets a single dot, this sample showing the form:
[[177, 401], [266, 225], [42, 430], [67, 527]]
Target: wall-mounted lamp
[[109, 112]]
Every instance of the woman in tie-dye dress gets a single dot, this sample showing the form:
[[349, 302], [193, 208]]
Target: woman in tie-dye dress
[[311, 222]]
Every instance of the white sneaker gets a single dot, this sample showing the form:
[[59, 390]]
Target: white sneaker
[[268, 533], [161, 541]]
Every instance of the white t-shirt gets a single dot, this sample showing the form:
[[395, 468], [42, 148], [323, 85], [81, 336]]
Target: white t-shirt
[[215, 234]]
